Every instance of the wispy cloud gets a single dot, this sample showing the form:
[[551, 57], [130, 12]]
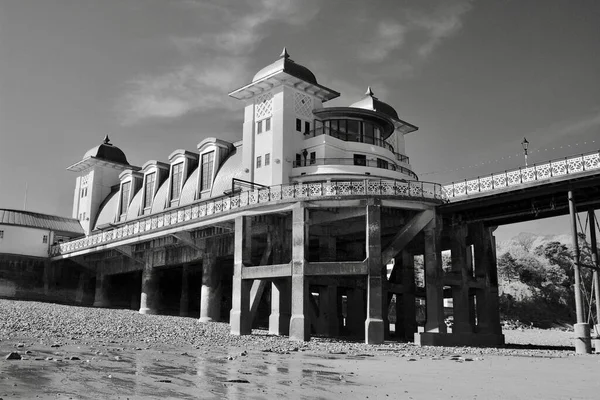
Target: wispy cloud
[[415, 32], [231, 33]]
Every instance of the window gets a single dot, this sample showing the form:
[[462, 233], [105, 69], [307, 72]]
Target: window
[[360, 159], [268, 124], [298, 125], [149, 189], [258, 161], [306, 127], [382, 163], [84, 215], [1, 234], [207, 170], [313, 158], [85, 192], [267, 159], [298, 160], [45, 239], [125, 196], [176, 177], [81, 192], [259, 127]]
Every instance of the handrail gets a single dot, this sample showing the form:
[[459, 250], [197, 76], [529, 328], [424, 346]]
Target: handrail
[[525, 175], [315, 190], [350, 137], [351, 161]]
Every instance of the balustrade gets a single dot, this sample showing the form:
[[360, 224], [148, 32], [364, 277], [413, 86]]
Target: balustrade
[[306, 190]]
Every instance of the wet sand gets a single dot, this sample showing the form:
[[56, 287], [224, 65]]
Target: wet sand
[[116, 365]]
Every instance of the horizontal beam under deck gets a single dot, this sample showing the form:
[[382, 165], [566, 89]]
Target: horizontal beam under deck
[[267, 271], [311, 269]]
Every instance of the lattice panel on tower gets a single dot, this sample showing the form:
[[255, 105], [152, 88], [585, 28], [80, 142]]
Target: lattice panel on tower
[[264, 106], [303, 105], [84, 180]]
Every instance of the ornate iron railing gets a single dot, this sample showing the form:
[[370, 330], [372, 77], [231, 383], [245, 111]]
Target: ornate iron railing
[[358, 162], [353, 137], [187, 214], [525, 175]]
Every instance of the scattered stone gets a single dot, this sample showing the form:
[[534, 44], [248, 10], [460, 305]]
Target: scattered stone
[[117, 358], [230, 358], [244, 353], [28, 352], [237, 381], [412, 359], [55, 345], [164, 381], [74, 358], [20, 345], [13, 356]]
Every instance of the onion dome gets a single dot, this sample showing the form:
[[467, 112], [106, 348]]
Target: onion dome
[[285, 64], [370, 102], [107, 152]]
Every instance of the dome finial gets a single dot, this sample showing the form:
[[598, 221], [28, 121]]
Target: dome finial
[[106, 140], [369, 92], [284, 53]]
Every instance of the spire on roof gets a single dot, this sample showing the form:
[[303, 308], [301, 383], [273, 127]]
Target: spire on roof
[[284, 53], [369, 92], [106, 140]]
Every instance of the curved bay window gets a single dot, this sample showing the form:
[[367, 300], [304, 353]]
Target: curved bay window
[[352, 130]]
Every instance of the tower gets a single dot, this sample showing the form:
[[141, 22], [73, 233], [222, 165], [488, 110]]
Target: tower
[[98, 172], [279, 111]]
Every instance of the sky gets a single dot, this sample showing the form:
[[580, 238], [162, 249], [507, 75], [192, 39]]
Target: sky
[[476, 77]]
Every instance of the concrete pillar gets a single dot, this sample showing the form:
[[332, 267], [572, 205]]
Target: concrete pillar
[[488, 308], [596, 263], [240, 297], [434, 283], [184, 300], [279, 320], [374, 326], [460, 294], [101, 294], [356, 312], [48, 277], [210, 295], [406, 311], [299, 322], [150, 297], [80, 294]]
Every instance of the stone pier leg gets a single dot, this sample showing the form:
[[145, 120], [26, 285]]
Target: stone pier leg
[[279, 320], [374, 326], [406, 310], [210, 296], [48, 277], [299, 322], [460, 294], [488, 310], [239, 318], [184, 299], [101, 293], [434, 283], [79, 295], [356, 312], [150, 297]]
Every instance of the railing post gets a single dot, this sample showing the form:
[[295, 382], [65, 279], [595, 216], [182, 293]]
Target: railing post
[[493, 186], [521, 174], [478, 185]]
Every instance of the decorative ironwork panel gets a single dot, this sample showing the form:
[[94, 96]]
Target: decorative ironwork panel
[[591, 161], [315, 190], [330, 188], [202, 210], [264, 195], [235, 201], [301, 190], [253, 197], [194, 212], [373, 187], [415, 190], [218, 206], [188, 214], [244, 197], [303, 105], [575, 165], [513, 177], [486, 183], [288, 192], [210, 208], [528, 174], [543, 171], [263, 106], [276, 192], [387, 188], [358, 187], [226, 204], [159, 223], [559, 168]]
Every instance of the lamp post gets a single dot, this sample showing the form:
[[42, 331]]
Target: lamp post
[[525, 145]]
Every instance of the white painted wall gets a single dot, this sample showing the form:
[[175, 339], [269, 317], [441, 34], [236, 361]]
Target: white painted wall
[[25, 241]]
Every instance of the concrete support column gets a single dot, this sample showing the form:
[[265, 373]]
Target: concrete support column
[[406, 311], [79, 294], [434, 283], [279, 320], [374, 326], [488, 310], [299, 322], [210, 295], [48, 277], [595, 261], [240, 321], [101, 294], [184, 299], [460, 294], [150, 298], [356, 312]]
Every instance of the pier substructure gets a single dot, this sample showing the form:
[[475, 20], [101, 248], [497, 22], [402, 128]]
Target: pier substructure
[[150, 297]]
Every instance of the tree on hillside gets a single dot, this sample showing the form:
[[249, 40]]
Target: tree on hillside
[[525, 240]]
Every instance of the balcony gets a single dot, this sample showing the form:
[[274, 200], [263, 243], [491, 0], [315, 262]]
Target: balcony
[[357, 162], [355, 137]]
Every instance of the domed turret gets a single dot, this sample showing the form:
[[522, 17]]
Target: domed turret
[[107, 152], [287, 65], [370, 102]]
